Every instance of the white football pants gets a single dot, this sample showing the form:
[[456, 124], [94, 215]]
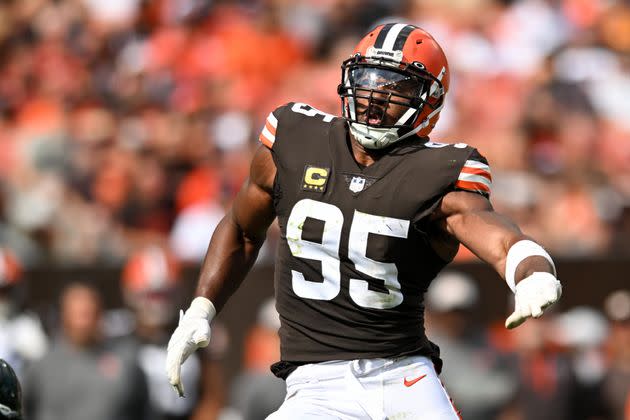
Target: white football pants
[[377, 389]]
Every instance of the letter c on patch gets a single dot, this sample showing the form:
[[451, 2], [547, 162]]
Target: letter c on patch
[[316, 176]]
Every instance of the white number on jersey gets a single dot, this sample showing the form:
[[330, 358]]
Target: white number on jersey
[[309, 111], [328, 253], [362, 225], [438, 145]]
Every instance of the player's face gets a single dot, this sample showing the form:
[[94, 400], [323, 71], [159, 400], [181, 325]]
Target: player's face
[[383, 96]]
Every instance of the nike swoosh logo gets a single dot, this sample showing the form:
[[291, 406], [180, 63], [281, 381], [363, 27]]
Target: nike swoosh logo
[[408, 382]]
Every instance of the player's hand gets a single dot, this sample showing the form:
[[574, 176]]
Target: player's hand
[[193, 332], [532, 295]]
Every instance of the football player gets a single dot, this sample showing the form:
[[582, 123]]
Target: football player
[[10, 393], [370, 210]]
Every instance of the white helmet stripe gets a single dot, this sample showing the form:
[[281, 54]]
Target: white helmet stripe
[[390, 40]]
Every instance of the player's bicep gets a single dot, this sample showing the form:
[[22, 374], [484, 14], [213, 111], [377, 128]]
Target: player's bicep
[[470, 218], [252, 210]]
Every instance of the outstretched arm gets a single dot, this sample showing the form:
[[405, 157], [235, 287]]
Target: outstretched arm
[[239, 236], [232, 252], [526, 267]]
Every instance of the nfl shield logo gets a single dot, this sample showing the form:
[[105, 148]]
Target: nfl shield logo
[[357, 184]]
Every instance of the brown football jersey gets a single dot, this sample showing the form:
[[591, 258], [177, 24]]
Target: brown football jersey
[[357, 251]]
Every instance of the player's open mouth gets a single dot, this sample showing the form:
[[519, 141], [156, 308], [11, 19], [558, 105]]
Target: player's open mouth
[[374, 120], [375, 115]]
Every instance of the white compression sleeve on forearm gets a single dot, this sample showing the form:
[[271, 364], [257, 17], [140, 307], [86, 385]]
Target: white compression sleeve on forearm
[[517, 253]]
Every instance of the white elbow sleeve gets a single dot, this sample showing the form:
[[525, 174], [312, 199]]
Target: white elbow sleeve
[[517, 253]]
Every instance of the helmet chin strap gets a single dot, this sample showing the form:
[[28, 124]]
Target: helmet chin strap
[[371, 137], [378, 138]]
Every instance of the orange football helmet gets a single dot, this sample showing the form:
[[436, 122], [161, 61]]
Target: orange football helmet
[[394, 66], [151, 269], [150, 281]]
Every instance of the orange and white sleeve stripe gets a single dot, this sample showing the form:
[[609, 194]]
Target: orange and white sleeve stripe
[[268, 133], [476, 177]]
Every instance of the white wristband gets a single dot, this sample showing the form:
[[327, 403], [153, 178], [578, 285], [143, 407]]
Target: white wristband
[[202, 307], [517, 253]]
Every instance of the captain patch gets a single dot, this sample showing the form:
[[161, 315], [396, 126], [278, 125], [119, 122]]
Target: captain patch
[[315, 178]]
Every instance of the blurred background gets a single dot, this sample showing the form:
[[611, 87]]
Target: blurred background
[[127, 126]]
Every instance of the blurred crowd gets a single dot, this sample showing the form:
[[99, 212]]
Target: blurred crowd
[[131, 122]]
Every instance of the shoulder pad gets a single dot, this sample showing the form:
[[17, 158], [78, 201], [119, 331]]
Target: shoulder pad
[[309, 111], [289, 114], [475, 175], [268, 133]]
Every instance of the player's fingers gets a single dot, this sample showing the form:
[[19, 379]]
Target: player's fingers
[[553, 296], [514, 320], [550, 301], [173, 363], [201, 336], [173, 369], [535, 310], [201, 340], [179, 389], [521, 313]]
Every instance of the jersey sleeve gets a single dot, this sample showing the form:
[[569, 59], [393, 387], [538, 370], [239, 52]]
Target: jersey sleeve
[[475, 175], [268, 133]]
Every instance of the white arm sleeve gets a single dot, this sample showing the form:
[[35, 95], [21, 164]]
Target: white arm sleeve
[[517, 253]]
